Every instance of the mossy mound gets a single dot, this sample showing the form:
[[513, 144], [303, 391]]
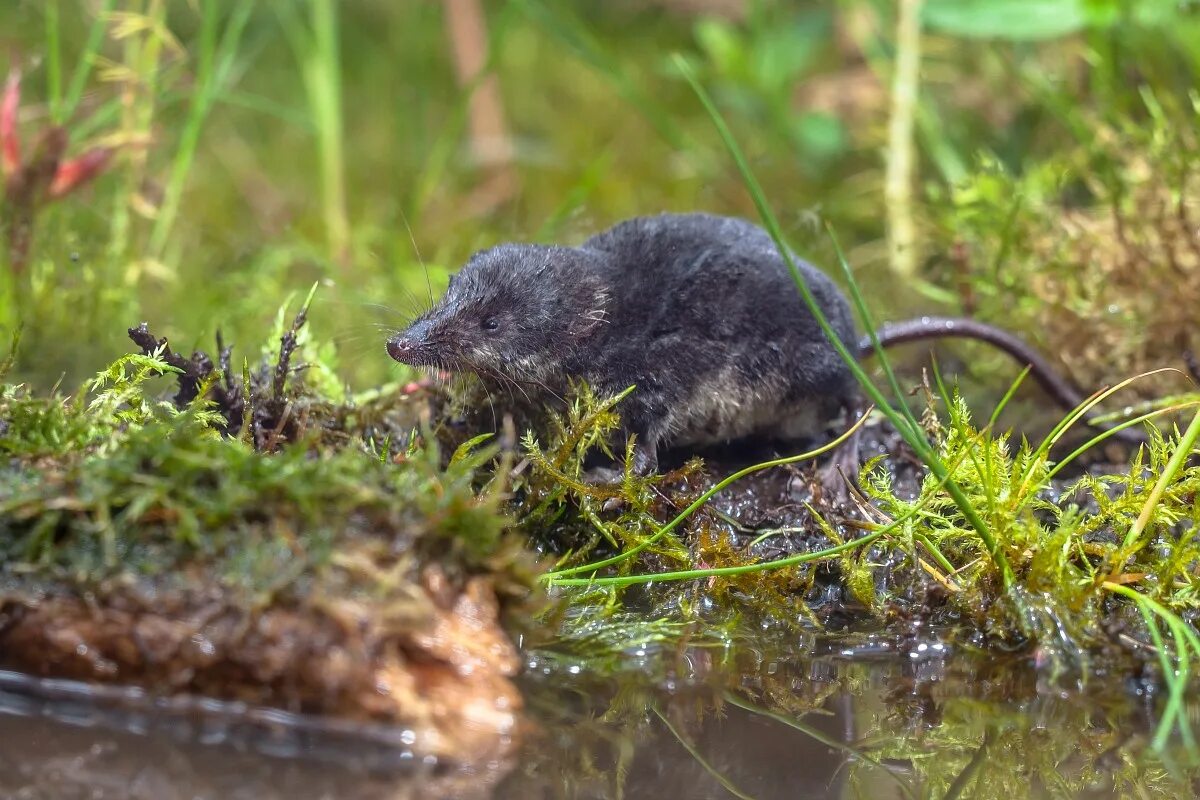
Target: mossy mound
[[283, 559]]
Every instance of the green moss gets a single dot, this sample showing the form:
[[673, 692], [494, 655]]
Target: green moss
[[1069, 543], [111, 486], [1090, 253], [1063, 539]]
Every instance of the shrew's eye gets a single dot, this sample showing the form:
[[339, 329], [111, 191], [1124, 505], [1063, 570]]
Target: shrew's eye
[[490, 324]]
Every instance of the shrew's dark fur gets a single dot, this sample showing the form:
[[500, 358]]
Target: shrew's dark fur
[[699, 312]]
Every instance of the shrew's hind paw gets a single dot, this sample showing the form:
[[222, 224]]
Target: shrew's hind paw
[[836, 481], [840, 476]]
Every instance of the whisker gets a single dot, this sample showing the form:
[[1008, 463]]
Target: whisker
[[541, 384], [407, 305], [417, 250]]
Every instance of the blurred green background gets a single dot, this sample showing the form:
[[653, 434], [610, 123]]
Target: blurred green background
[[372, 145]]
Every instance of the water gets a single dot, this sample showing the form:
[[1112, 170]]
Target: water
[[846, 717]]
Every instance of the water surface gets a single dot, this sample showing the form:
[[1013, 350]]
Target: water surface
[[845, 717]]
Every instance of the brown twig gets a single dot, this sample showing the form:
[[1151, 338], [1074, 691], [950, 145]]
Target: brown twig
[[229, 398]]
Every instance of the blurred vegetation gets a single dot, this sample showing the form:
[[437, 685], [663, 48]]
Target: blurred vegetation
[[261, 146], [1094, 251]]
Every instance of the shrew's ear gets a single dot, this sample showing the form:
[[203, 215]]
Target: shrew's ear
[[453, 276]]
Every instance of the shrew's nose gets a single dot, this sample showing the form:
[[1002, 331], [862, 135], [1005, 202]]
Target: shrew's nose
[[403, 346], [398, 348]]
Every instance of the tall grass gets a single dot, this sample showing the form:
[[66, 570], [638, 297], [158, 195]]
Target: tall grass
[[1183, 639], [316, 49], [145, 36], [559, 21], [87, 58], [216, 55]]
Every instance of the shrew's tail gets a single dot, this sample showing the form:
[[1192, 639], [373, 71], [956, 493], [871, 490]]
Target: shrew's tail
[[1059, 388]]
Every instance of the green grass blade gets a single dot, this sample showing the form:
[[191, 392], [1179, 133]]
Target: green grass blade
[[1008, 396], [264, 105], [937, 554], [745, 569], [591, 177], [1042, 452], [54, 89], [1186, 644], [1181, 454], [87, 57], [762, 566], [943, 392], [323, 71], [556, 19], [316, 51], [1113, 431], [868, 323], [190, 137]]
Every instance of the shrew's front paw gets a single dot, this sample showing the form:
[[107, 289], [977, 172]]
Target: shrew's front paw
[[645, 459]]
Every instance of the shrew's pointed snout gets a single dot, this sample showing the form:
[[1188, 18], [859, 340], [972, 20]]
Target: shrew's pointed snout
[[399, 348], [406, 347]]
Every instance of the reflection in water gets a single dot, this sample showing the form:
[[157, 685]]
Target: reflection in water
[[44, 760], [846, 720], [850, 718]]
